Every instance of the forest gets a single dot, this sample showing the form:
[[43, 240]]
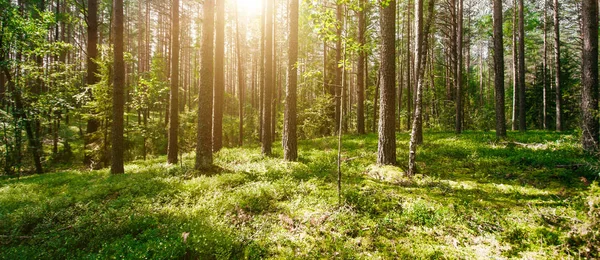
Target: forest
[[299, 129]]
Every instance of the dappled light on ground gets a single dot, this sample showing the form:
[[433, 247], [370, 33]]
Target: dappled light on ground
[[474, 197]]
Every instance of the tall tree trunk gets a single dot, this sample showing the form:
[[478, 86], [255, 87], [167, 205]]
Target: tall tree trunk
[[275, 89], [118, 140], [204, 157], [386, 151], [559, 126], [544, 71], [241, 86], [290, 145], [360, 67], [219, 83], [515, 58], [267, 138], [409, 98], [459, 68], [261, 99], [589, 79], [173, 148], [91, 77], [522, 105], [421, 47], [499, 70]]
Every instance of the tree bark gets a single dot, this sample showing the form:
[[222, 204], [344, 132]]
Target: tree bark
[[387, 137], [118, 140], [522, 105], [241, 81], [557, 68], [515, 58], [91, 77], [290, 145], [421, 48], [267, 110], [544, 71], [459, 68], [409, 98], [360, 67], [219, 83], [589, 79], [173, 148], [499, 70], [204, 157]]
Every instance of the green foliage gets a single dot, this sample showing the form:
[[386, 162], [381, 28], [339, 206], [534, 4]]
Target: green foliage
[[314, 118], [476, 198]]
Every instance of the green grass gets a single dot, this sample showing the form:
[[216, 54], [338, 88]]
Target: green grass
[[475, 197]]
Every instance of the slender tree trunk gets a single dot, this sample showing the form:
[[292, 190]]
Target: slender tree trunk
[[275, 87], [409, 98], [557, 68], [360, 76], [261, 99], [544, 71], [118, 141], [522, 105], [515, 58], [499, 70], [375, 99], [219, 83], [173, 148], [386, 152], [91, 77], [338, 70], [459, 68], [589, 79], [421, 47], [241, 81], [267, 120], [204, 157], [290, 146]]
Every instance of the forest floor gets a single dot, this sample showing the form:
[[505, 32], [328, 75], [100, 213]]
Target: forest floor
[[475, 197]]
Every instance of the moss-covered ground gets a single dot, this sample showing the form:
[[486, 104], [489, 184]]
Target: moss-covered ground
[[474, 198]]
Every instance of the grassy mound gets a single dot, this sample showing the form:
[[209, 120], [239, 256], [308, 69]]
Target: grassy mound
[[475, 197]]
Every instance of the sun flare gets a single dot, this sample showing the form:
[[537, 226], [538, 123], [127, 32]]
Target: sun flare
[[249, 7]]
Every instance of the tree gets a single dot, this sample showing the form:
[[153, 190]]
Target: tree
[[421, 47], [268, 88], [409, 98], [290, 143], [91, 77], [204, 158], [386, 151], [515, 69], [118, 140], [589, 78], [459, 68], [360, 67], [522, 116], [337, 84], [544, 70], [173, 148], [499, 70], [219, 83], [241, 86], [559, 126]]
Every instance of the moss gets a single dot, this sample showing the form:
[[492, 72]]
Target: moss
[[475, 197]]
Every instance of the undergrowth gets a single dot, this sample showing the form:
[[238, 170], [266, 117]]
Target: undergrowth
[[474, 197]]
